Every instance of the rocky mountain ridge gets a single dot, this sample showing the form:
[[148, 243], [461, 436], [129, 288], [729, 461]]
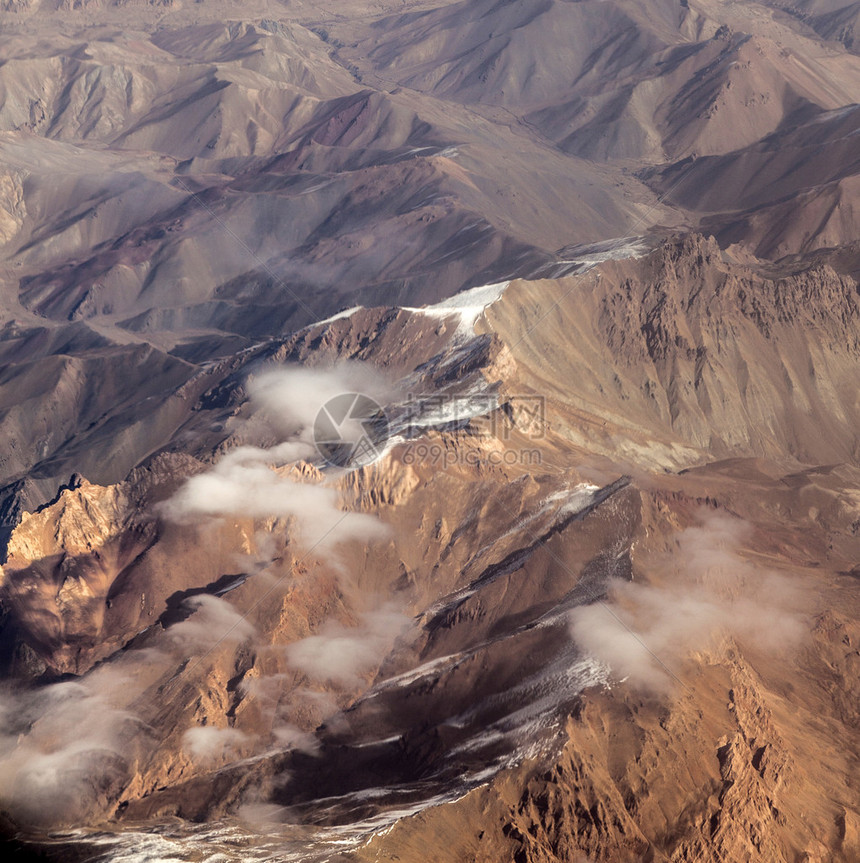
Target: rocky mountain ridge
[[587, 589]]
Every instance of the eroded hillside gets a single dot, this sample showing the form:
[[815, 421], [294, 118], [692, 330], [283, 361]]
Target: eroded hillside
[[579, 580]]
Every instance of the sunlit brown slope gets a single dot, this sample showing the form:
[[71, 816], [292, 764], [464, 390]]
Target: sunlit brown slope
[[682, 356], [192, 179], [481, 686], [622, 627]]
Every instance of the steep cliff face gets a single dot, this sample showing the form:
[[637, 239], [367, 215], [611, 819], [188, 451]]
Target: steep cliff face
[[312, 640], [184, 180], [728, 759], [537, 662], [61, 565], [578, 281], [640, 779], [685, 352]]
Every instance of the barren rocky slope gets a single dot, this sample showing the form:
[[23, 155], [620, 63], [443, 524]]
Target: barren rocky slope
[[466, 645], [592, 595]]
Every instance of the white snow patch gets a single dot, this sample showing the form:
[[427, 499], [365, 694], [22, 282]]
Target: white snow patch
[[346, 313], [467, 305], [571, 499], [575, 500], [611, 250], [144, 848], [433, 666], [578, 498], [564, 501], [385, 740], [445, 410]]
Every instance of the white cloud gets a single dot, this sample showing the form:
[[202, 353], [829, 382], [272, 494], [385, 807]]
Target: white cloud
[[708, 592], [67, 748], [289, 398], [64, 745], [210, 743], [214, 620], [255, 482], [342, 654]]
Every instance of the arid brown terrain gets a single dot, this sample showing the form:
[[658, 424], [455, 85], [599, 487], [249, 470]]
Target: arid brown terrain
[[582, 583]]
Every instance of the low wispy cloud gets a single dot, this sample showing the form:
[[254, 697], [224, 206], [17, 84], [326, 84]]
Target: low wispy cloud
[[67, 746], [67, 749], [707, 592], [342, 654], [289, 398], [260, 482], [209, 743], [213, 621]]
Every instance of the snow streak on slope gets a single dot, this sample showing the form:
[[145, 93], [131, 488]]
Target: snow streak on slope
[[468, 306]]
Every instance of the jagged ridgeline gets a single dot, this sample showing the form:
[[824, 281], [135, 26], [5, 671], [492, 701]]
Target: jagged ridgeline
[[429, 431]]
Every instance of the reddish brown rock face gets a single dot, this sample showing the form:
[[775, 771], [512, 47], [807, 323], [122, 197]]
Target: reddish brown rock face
[[429, 431]]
